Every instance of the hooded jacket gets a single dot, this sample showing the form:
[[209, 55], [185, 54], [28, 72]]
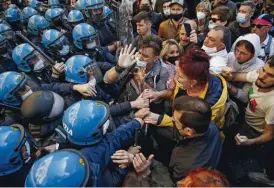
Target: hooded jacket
[[253, 64]]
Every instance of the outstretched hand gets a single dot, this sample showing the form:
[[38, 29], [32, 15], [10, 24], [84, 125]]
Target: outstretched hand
[[126, 58], [141, 164]]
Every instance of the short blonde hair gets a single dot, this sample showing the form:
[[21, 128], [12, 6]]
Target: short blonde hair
[[205, 4], [166, 46]]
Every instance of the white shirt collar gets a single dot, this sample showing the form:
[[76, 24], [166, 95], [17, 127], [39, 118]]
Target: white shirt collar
[[266, 40]]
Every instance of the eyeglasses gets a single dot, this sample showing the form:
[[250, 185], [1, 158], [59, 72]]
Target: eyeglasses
[[214, 20], [257, 25]]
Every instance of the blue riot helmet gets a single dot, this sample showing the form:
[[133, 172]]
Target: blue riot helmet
[[82, 6], [3, 45], [37, 25], [10, 83], [6, 31], [64, 168], [95, 9], [13, 15], [14, 149], [27, 59], [26, 13], [107, 12], [85, 37], [75, 17], [36, 5], [85, 121], [56, 42], [77, 68], [54, 3], [12, 6], [55, 16]]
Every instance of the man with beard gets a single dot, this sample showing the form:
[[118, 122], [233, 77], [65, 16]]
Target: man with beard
[[255, 137], [170, 28]]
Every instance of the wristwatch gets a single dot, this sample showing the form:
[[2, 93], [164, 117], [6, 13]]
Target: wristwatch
[[119, 69]]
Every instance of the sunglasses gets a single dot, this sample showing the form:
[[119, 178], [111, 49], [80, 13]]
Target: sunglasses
[[214, 20], [257, 25]]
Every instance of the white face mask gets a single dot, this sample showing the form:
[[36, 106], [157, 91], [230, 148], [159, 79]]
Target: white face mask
[[92, 82], [140, 63], [64, 51], [201, 15], [27, 152], [91, 45], [167, 12], [39, 65], [211, 26], [23, 97], [208, 50], [105, 127], [241, 18]]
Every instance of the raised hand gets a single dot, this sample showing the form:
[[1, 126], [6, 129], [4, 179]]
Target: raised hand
[[126, 58]]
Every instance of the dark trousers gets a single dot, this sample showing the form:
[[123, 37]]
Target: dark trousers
[[263, 153]]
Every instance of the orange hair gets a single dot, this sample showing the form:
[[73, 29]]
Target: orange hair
[[204, 177]]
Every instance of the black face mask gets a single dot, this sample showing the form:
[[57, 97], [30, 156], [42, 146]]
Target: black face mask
[[146, 8], [172, 59], [176, 17]]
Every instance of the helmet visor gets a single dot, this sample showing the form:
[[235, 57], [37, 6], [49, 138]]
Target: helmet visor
[[96, 14], [61, 46], [90, 43], [93, 70], [36, 61], [22, 141]]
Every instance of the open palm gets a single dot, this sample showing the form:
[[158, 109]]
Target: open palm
[[126, 58]]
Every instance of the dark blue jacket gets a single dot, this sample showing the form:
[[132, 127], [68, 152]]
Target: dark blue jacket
[[7, 64], [106, 31], [197, 152], [99, 156]]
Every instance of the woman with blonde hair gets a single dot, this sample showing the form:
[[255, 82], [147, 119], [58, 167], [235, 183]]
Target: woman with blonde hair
[[170, 53], [203, 10]]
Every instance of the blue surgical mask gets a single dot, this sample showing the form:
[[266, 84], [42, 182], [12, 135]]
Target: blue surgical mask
[[64, 51], [167, 12], [241, 18]]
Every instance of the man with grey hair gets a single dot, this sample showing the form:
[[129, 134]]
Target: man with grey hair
[[242, 25]]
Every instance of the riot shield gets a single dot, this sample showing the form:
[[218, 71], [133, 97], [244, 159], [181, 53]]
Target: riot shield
[[123, 15]]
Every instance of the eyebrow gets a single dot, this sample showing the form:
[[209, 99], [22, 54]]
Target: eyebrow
[[272, 75], [145, 55]]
